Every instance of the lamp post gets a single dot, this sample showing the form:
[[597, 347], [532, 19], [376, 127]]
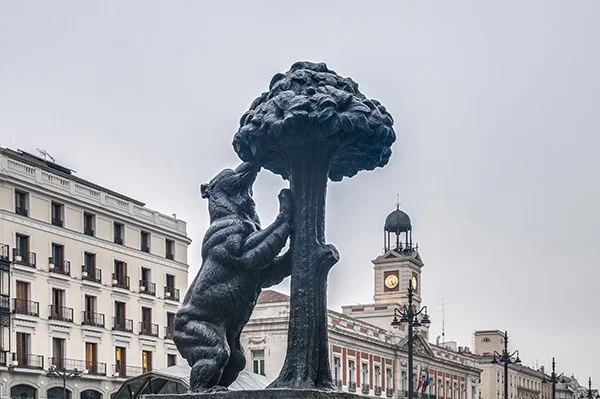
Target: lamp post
[[64, 374], [590, 393], [506, 358], [410, 315], [554, 379]]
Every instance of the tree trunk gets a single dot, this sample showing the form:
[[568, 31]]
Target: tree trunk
[[307, 360]]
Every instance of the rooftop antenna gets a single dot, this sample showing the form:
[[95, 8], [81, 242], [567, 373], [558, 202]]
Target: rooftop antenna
[[443, 310], [45, 154]]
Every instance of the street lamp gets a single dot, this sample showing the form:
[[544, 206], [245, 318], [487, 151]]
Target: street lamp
[[554, 379], [590, 393], [506, 358], [64, 374], [410, 315]]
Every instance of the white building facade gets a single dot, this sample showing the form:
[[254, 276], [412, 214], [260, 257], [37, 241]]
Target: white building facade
[[90, 280]]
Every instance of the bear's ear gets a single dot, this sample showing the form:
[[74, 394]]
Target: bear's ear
[[204, 190]]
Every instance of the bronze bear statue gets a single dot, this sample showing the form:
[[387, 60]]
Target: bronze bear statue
[[238, 260]]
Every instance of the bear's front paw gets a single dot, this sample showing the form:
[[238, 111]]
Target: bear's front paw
[[286, 203]]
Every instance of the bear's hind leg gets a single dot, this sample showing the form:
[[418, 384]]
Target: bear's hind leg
[[206, 349], [236, 363]]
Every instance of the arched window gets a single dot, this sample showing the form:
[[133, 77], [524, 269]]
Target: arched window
[[23, 391], [486, 340], [90, 394], [57, 393]]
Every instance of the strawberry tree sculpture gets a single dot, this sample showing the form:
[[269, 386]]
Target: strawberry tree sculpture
[[312, 125]]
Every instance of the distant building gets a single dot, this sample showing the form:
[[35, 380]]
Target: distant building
[[89, 279], [367, 355]]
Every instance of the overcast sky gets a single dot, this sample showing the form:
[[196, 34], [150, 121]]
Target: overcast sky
[[496, 110]]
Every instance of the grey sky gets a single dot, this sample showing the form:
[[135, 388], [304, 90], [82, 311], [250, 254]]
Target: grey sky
[[496, 109]]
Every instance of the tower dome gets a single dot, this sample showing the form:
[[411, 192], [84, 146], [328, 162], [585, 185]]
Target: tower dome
[[397, 222]]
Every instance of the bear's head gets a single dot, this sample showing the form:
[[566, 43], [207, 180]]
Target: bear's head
[[230, 193]]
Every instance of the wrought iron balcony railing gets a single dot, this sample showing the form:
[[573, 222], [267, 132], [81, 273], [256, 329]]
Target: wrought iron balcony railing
[[377, 391], [169, 332], [57, 222], [365, 388], [122, 324], [172, 293], [27, 307], [124, 371], [145, 248], [91, 273], [28, 361], [147, 328], [23, 257], [118, 240], [92, 319], [120, 280], [60, 313], [147, 287], [21, 211], [352, 386], [60, 266], [91, 367], [4, 252], [389, 392]]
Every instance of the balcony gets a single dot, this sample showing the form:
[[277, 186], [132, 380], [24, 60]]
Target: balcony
[[91, 273], [170, 256], [60, 313], [88, 232], [169, 332], [22, 257], [26, 307], [124, 371], [90, 367], [389, 392], [147, 328], [172, 293], [145, 248], [4, 252], [59, 266], [118, 240], [122, 324], [92, 319], [57, 222], [21, 211], [365, 388], [352, 387], [120, 281], [377, 391], [28, 361], [147, 287]]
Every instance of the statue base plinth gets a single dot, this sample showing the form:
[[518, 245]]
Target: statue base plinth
[[261, 394]]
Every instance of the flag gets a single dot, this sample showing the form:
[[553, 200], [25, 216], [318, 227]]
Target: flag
[[427, 381], [420, 378]]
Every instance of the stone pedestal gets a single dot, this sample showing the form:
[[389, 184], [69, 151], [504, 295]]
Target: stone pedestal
[[262, 394]]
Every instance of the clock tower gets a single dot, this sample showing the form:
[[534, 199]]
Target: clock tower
[[398, 266]]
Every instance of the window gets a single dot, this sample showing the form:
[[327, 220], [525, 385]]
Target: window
[[377, 380], [169, 249], [90, 317], [258, 361], [351, 371], [120, 361], [337, 365], [365, 374], [57, 261], [171, 360], [170, 291], [170, 281], [21, 203], [23, 349], [91, 357], [145, 238], [22, 304], [146, 284], [58, 352], [21, 252], [388, 379], [57, 214], [486, 340], [170, 328], [404, 381], [89, 224], [120, 277], [119, 233], [146, 361], [58, 311]]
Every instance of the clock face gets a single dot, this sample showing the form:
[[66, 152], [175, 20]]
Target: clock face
[[391, 281], [413, 282]]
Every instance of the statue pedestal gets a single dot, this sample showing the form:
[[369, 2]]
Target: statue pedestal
[[262, 394]]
